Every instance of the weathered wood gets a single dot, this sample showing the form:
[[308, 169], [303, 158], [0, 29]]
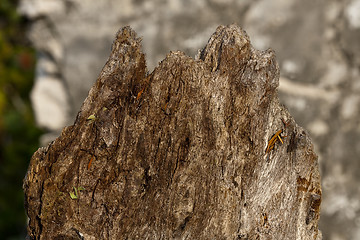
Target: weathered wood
[[179, 153]]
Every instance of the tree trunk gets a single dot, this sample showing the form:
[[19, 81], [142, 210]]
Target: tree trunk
[[198, 149]]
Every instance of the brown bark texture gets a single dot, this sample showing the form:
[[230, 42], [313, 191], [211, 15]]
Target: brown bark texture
[[198, 149]]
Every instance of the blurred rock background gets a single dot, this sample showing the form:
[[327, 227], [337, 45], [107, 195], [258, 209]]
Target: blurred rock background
[[317, 43]]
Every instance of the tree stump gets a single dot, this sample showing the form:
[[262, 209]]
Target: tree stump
[[198, 149]]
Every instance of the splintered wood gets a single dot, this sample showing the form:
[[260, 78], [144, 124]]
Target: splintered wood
[[179, 153]]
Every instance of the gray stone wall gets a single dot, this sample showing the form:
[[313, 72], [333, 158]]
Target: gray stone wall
[[317, 46]]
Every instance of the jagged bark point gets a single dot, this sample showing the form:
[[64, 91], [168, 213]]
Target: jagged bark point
[[179, 153]]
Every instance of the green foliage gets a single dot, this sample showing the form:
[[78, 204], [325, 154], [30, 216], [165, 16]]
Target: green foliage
[[18, 133], [75, 195]]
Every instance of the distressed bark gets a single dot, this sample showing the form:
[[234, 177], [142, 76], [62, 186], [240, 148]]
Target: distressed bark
[[179, 153]]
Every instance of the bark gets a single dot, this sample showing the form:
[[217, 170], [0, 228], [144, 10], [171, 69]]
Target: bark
[[181, 153]]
